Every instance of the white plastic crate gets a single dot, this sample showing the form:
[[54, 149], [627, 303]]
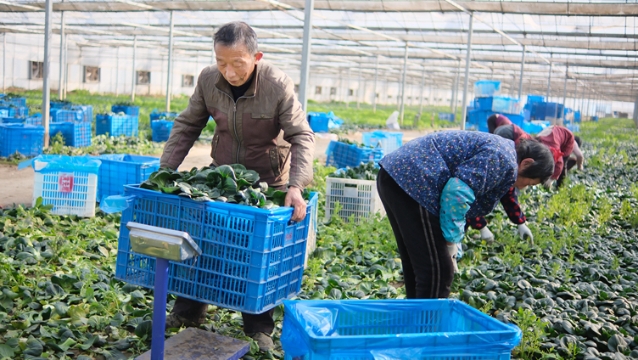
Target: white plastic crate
[[355, 197], [70, 193]]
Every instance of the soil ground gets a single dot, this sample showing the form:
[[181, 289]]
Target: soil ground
[[16, 186]]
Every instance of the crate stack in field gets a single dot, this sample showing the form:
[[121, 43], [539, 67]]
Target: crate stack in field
[[122, 121], [17, 135], [252, 258], [161, 125], [488, 102], [73, 122]]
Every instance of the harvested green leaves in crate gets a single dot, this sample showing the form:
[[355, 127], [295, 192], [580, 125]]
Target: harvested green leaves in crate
[[226, 183], [367, 171]]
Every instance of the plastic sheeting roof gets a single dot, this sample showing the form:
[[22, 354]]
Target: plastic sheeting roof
[[594, 42]]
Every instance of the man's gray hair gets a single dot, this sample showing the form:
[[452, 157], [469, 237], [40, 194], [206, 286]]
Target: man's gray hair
[[237, 32]]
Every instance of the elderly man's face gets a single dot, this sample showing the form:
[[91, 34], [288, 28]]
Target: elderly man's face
[[235, 63]]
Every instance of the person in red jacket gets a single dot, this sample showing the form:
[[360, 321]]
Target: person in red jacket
[[560, 141], [500, 125]]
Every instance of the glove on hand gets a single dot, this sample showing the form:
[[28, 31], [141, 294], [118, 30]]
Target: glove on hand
[[524, 231], [486, 234], [453, 251]]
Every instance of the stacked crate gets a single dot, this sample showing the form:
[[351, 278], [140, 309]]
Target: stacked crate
[[122, 121], [73, 122], [26, 140], [340, 154], [161, 125]]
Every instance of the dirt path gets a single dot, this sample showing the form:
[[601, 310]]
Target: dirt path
[[16, 187]]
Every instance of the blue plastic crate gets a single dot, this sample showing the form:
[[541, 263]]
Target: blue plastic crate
[[76, 134], [427, 329], [35, 119], [486, 88], [116, 125], [477, 119], [483, 103], [128, 110], [12, 120], [252, 259], [506, 105], [318, 121], [27, 140], [156, 115], [531, 99], [446, 116], [16, 101], [341, 155], [161, 130], [7, 111], [386, 140], [66, 115], [573, 127], [534, 127], [60, 104], [87, 112], [118, 170]]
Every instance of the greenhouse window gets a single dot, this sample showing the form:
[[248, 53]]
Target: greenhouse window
[[188, 80], [36, 69], [143, 77], [91, 74], [318, 90], [333, 91]]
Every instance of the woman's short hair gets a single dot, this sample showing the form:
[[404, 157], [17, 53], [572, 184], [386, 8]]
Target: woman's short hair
[[237, 32], [542, 167]]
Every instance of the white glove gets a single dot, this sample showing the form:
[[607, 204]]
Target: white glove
[[524, 231], [486, 234], [452, 249]]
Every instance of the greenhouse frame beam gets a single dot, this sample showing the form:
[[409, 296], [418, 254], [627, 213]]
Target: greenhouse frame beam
[[467, 72], [502, 7]]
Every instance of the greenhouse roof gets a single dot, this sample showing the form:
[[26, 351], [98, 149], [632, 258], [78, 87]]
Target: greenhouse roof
[[593, 42]]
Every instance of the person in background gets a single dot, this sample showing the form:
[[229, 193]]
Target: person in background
[[559, 140], [260, 124], [501, 125], [431, 184]]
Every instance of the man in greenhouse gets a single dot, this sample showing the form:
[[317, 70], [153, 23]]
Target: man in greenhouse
[[431, 184], [260, 124]]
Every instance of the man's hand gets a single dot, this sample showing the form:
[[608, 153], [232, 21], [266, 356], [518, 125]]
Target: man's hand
[[524, 231], [486, 234], [295, 199]]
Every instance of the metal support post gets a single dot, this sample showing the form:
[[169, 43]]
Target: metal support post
[[468, 59], [170, 65], [455, 94], [520, 80], [134, 82], [421, 93], [376, 78], [62, 38], [405, 70], [46, 85], [549, 80], [305, 55]]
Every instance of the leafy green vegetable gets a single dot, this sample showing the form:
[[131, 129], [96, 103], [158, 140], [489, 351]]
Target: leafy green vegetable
[[226, 183], [367, 171]]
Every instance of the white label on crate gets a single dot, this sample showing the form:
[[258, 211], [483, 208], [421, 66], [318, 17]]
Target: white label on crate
[[65, 182], [350, 190]]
